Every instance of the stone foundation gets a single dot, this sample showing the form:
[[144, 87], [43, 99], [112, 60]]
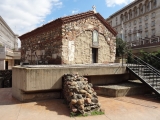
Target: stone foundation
[[79, 94]]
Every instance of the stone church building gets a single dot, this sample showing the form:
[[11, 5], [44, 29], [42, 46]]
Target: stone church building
[[78, 39]]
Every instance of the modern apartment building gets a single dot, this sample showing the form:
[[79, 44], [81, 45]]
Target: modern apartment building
[[9, 54], [139, 24]]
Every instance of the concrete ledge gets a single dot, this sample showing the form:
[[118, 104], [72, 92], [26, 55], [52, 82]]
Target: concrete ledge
[[49, 77], [123, 89]]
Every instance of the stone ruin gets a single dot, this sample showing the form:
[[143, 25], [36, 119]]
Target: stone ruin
[[79, 94]]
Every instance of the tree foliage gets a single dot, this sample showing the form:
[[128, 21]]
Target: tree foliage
[[121, 47], [151, 58]]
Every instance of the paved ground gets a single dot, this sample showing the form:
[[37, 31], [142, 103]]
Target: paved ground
[[145, 107]]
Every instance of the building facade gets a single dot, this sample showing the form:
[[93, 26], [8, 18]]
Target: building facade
[[139, 24], [77, 39], [9, 54]]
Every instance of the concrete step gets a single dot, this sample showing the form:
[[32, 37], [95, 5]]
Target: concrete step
[[123, 89]]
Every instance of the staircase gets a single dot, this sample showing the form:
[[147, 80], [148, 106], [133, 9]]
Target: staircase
[[145, 73]]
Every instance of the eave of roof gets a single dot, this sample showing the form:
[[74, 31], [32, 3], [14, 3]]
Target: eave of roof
[[7, 26], [71, 18]]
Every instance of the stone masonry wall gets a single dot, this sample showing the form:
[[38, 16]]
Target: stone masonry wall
[[79, 94], [77, 42], [43, 46]]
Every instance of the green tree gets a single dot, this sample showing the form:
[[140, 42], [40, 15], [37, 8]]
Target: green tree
[[121, 48]]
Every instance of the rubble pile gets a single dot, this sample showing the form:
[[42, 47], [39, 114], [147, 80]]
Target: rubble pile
[[79, 94]]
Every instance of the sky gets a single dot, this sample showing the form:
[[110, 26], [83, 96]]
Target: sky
[[23, 16]]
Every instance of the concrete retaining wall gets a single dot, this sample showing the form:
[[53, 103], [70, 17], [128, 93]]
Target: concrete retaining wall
[[32, 78]]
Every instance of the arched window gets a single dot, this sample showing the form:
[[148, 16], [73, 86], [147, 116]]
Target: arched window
[[130, 14], [147, 6], [154, 3], [121, 18], [140, 9], [95, 41], [135, 11], [126, 16]]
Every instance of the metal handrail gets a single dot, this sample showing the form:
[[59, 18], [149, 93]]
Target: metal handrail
[[146, 64], [151, 80]]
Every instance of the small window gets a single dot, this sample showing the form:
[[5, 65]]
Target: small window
[[135, 22], [135, 37], [146, 33], [153, 31], [147, 6], [140, 27], [153, 15], [153, 23], [146, 25], [140, 20], [146, 17], [125, 38], [154, 4], [139, 35], [130, 37], [95, 38]]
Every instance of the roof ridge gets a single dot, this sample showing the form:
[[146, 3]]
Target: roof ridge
[[90, 11]]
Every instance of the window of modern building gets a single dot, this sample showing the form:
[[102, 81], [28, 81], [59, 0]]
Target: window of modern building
[[121, 18], [147, 6], [135, 11], [140, 20], [154, 4], [141, 9], [146, 25], [146, 33], [153, 23], [153, 15], [146, 17], [139, 35], [140, 27], [126, 16], [130, 37], [126, 38], [130, 14], [153, 31], [135, 22]]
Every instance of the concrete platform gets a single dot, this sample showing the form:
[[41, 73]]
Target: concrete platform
[[29, 80], [123, 89], [141, 107]]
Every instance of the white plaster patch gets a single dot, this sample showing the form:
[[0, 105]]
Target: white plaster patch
[[71, 50], [90, 26]]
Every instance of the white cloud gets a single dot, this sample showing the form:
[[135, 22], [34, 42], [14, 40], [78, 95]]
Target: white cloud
[[112, 3], [75, 11], [25, 15]]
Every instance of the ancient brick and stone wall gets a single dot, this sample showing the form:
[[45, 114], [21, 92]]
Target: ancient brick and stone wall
[[68, 40], [77, 42], [43, 46]]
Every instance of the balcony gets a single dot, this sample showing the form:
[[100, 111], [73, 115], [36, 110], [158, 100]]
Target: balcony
[[146, 42], [6, 53]]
